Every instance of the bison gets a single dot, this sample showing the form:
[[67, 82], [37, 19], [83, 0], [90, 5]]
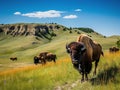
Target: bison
[[13, 58], [83, 53], [47, 56], [113, 49]]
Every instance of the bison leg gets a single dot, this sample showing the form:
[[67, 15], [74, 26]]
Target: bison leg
[[96, 64], [82, 80], [44, 61], [86, 77], [54, 60], [82, 73]]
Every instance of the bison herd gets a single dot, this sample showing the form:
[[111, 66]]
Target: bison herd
[[113, 49], [44, 57], [82, 52]]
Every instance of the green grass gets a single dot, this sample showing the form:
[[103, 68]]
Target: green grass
[[62, 74], [50, 76]]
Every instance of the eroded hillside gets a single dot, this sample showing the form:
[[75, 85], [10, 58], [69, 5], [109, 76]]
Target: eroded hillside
[[30, 29]]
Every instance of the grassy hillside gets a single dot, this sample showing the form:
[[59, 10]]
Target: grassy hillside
[[26, 47], [25, 75]]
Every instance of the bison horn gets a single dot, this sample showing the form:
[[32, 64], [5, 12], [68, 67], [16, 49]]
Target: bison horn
[[68, 49], [83, 48]]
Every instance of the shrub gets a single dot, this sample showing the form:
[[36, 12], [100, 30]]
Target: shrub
[[53, 34], [78, 32], [118, 43], [87, 30], [70, 31]]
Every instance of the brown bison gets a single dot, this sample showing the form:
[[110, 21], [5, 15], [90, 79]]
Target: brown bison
[[47, 56], [83, 53], [13, 58], [113, 49]]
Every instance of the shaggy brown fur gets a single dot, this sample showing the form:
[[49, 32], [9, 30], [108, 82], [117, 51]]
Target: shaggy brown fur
[[42, 57], [50, 57], [93, 49]]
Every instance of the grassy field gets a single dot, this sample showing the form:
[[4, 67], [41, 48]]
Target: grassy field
[[23, 74], [62, 75]]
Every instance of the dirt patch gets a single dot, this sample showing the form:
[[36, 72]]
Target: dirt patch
[[67, 86]]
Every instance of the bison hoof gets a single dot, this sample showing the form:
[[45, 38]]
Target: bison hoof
[[94, 73], [82, 80], [86, 79]]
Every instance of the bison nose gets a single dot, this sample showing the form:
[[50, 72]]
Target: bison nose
[[74, 61]]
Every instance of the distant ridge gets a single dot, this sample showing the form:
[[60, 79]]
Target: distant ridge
[[26, 29], [46, 30]]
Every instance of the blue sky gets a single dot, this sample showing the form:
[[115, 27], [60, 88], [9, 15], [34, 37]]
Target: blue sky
[[101, 15]]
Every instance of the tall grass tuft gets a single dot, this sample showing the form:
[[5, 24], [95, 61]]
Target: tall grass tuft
[[108, 69]]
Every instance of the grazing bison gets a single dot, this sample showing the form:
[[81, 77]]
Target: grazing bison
[[113, 49], [83, 53], [47, 56], [13, 58]]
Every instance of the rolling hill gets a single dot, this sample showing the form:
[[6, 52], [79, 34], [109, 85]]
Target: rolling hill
[[24, 41]]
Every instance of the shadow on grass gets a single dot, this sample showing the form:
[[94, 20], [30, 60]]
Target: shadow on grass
[[106, 76]]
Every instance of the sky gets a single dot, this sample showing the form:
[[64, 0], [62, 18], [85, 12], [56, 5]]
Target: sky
[[103, 16]]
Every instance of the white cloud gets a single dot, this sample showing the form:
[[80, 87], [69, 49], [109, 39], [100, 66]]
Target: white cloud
[[70, 17], [17, 13], [44, 14], [78, 10]]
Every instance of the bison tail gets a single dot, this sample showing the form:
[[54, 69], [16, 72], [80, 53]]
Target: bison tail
[[102, 53]]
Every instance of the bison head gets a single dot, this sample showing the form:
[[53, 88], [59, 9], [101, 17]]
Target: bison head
[[76, 50]]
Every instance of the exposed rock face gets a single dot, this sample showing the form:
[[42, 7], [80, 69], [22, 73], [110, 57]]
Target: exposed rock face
[[29, 29]]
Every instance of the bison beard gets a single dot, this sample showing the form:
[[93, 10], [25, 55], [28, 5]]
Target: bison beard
[[83, 53]]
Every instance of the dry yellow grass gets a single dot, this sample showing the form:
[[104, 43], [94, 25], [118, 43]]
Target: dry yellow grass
[[108, 57], [32, 67]]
